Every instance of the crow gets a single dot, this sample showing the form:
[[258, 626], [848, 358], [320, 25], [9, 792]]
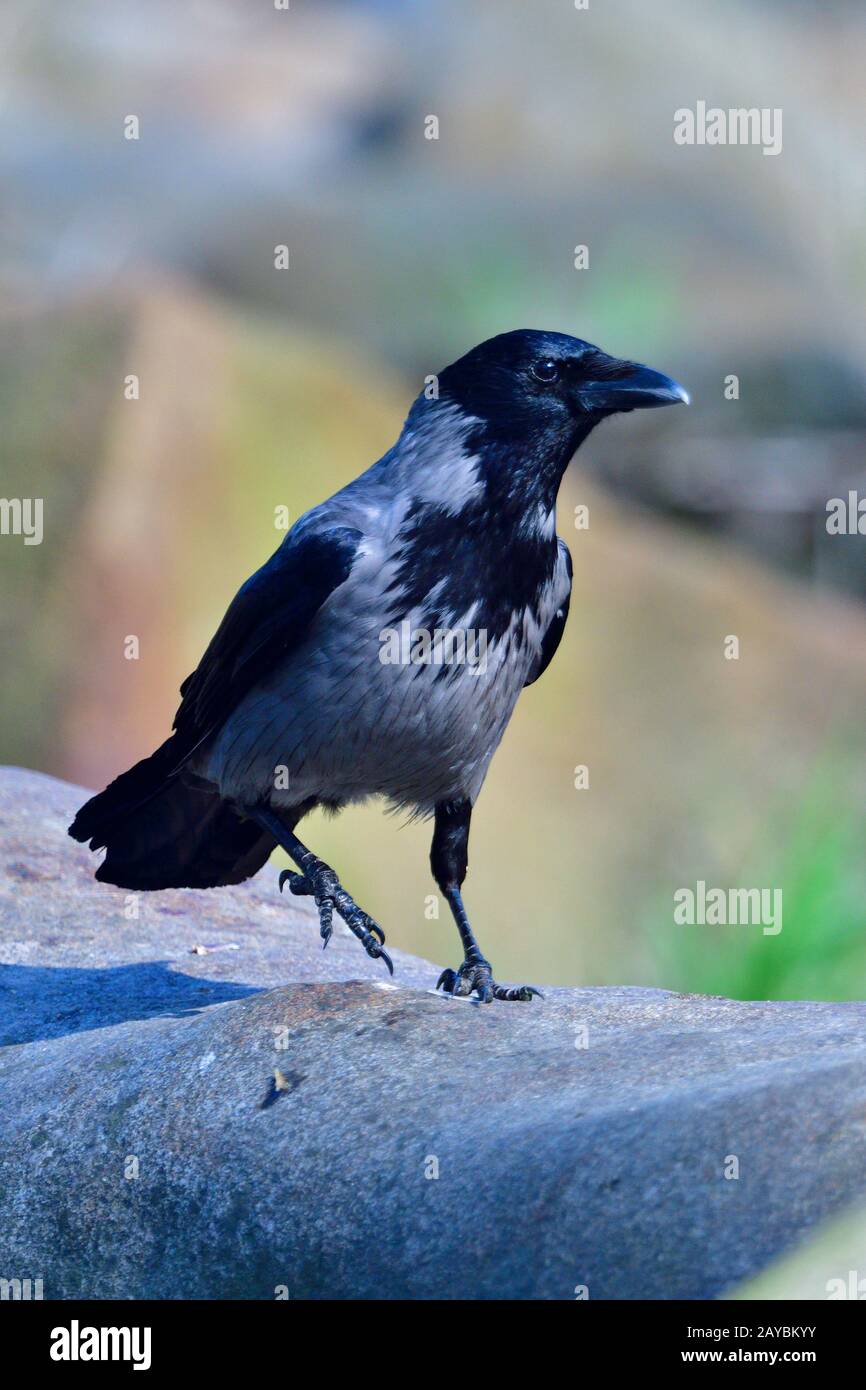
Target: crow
[[381, 650]]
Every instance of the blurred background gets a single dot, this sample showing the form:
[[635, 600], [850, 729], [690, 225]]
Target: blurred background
[[262, 388]]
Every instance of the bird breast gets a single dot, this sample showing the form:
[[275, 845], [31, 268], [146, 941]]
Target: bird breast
[[395, 708]]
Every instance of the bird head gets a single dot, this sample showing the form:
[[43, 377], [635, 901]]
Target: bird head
[[509, 415], [527, 383]]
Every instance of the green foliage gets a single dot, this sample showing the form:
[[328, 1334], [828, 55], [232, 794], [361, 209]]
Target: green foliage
[[820, 952]]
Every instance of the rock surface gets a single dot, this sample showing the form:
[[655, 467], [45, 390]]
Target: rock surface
[[76, 956], [416, 1146]]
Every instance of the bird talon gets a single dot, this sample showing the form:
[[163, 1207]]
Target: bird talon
[[326, 920], [457, 983], [376, 952], [299, 884], [322, 884], [478, 979], [517, 993]]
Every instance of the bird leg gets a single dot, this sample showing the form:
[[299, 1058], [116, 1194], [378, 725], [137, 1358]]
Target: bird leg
[[449, 860], [318, 881]]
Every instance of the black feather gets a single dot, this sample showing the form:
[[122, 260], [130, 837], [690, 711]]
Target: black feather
[[553, 635], [159, 830], [268, 616]]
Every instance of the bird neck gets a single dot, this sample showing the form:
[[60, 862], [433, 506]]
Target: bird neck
[[522, 473], [511, 471]]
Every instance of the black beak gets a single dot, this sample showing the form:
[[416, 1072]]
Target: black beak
[[631, 387]]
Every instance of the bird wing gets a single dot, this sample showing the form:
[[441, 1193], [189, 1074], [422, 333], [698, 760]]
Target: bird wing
[[269, 616], [555, 628]]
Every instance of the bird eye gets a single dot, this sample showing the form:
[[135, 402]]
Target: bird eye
[[548, 370]]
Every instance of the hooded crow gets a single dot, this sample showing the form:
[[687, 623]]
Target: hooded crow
[[382, 648]]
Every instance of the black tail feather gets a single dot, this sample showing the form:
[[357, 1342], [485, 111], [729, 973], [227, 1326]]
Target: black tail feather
[[164, 831], [98, 817]]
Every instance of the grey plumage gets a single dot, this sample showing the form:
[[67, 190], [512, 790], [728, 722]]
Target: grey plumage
[[339, 719]]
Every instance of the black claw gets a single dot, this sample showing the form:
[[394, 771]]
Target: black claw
[[298, 883], [323, 885], [475, 979], [517, 993], [326, 919]]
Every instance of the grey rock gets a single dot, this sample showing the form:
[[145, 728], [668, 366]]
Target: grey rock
[[77, 954], [146, 1151]]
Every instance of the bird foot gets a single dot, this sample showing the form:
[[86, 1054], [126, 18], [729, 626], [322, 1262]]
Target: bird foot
[[477, 976], [321, 884]]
